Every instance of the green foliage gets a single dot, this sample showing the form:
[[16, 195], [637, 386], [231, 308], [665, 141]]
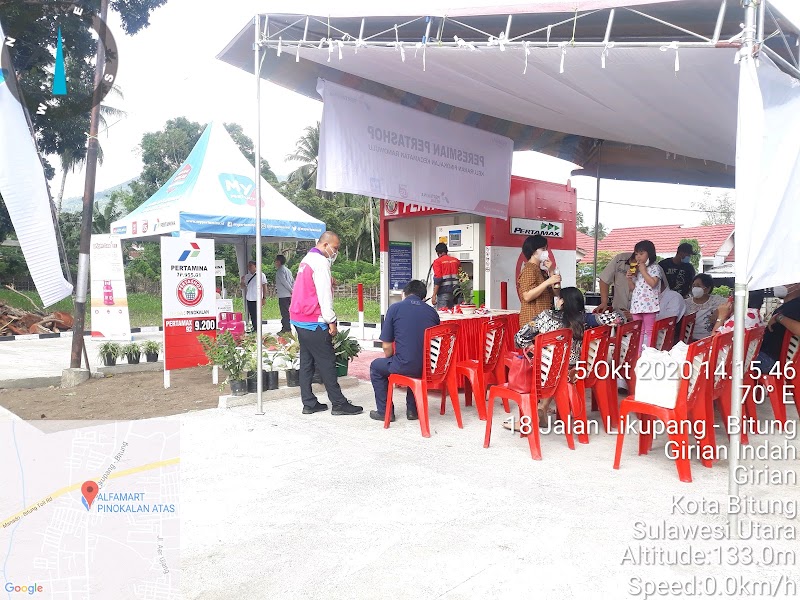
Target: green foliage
[[720, 210], [580, 225], [151, 347], [112, 349], [721, 290], [345, 347], [584, 271], [248, 149], [695, 259], [356, 272], [12, 263], [227, 354], [5, 221], [132, 350], [306, 152]]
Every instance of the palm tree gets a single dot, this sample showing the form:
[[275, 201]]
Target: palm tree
[[306, 151], [70, 159], [102, 219]]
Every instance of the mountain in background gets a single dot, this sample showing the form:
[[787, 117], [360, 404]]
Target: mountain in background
[[75, 203]]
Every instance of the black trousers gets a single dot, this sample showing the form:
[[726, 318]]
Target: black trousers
[[316, 352], [379, 371], [251, 311], [283, 304]]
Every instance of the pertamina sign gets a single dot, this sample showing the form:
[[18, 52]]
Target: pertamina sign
[[188, 299]]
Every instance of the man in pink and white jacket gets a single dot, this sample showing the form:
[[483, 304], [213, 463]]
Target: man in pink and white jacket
[[312, 314]]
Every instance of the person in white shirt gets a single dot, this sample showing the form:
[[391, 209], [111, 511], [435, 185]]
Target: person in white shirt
[[284, 283], [252, 283]]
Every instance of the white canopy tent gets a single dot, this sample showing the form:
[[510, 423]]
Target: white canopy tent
[[212, 194], [645, 90]]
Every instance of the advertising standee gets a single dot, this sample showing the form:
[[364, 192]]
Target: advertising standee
[[188, 301], [109, 299]]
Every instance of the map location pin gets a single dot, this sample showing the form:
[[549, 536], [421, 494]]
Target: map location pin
[[89, 491]]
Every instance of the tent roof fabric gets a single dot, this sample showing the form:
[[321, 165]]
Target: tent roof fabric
[[658, 124], [213, 194], [665, 238]]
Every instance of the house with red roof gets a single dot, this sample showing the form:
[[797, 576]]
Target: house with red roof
[[715, 241], [584, 244]]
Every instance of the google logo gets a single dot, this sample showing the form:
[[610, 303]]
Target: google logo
[[25, 589]]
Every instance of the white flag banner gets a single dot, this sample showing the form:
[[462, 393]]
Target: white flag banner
[[24, 190], [377, 148]]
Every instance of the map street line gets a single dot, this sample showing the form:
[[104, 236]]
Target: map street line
[[77, 486]]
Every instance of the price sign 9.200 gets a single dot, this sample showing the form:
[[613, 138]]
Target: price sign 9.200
[[205, 324]]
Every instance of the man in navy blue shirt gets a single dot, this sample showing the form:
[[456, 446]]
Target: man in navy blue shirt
[[405, 326]]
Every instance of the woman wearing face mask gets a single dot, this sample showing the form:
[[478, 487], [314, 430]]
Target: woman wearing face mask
[[702, 303], [644, 281], [534, 284], [570, 314]]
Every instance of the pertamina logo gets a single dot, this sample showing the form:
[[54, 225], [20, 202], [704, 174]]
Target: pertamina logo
[[193, 253], [190, 292]]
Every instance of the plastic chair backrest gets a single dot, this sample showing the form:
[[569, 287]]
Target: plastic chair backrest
[[551, 354], [687, 327], [752, 344], [494, 342], [789, 348], [440, 341], [721, 359], [596, 342], [693, 383], [627, 343], [664, 333]]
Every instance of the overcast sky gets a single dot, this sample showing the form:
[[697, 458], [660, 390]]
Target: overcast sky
[[170, 70]]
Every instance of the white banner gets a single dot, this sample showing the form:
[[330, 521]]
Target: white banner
[[377, 148], [187, 278], [24, 191], [110, 317]]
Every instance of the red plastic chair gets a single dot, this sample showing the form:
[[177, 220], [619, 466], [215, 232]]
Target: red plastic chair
[[437, 372], [720, 373], [550, 363], [664, 333], [479, 373], [690, 395], [627, 346], [779, 387], [595, 346], [687, 328], [752, 346]]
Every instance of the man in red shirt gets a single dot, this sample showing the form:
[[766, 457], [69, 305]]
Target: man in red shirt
[[445, 278]]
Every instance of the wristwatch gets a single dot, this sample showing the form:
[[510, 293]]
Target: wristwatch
[[778, 318]]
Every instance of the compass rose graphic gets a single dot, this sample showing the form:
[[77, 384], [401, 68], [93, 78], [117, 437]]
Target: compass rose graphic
[[39, 26]]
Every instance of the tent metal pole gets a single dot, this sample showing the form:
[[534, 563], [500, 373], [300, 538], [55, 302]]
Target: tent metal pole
[[739, 310], [259, 324], [596, 216]]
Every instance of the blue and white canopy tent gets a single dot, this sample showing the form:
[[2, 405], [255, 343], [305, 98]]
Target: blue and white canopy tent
[[700, 92], [213, 195]]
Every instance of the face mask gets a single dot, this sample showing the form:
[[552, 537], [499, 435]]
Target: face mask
[[780, 291], [332, 258], [697, 292], [687, 260], [544, 255]]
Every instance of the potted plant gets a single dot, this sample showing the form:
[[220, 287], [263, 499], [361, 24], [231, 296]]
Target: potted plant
[[269, 376], [151, 348], [227, 354], [132, 352], [346, 349], [109, 352], [465, 283], [290, 352]]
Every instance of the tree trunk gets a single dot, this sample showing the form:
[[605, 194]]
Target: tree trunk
[[372, 231], [358, 249], [61, 191]]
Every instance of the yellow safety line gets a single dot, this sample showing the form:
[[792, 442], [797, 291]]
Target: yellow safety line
[[77, 486]]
